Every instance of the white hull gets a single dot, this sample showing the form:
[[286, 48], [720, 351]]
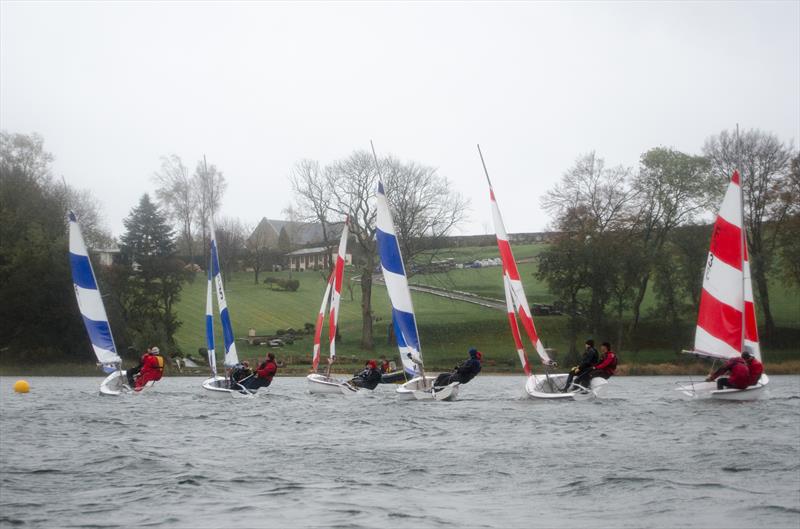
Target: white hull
[[115, 384], [549, 388], [217, 387], [320, 384], [415, 389], [708, 390]]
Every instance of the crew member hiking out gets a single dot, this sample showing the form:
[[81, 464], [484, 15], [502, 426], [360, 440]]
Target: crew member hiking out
[[240, 373], [604, 369], [739, 377], [152, 368], [369, 377], [755, 367], [264, 374], [463, 373], [588, 360]]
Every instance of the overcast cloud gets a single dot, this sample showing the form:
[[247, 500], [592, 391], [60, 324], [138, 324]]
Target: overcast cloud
[[255, 87]]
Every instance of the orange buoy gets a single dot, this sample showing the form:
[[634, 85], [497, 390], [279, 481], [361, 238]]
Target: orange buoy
[[22, 386]]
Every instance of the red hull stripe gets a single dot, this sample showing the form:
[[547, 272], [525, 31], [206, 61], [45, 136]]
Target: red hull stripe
[[720, 320]]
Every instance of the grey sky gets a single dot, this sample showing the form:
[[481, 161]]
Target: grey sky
[[114, 86]]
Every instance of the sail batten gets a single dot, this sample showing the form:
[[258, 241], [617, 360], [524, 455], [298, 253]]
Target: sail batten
[[726, 323], [90, 303]]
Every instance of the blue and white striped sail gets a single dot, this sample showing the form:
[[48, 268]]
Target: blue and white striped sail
[[231, 358], [394, 275], [89, 301], [212, 357]]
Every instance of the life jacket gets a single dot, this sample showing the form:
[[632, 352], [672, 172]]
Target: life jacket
[[154, 362], [756, 369], [740, 374]]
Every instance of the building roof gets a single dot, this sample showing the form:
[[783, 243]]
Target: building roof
[[306, 251], [300, 233]]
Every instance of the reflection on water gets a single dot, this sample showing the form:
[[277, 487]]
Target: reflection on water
[[173, 458]]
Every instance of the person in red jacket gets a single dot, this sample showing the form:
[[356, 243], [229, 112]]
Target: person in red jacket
[[739, 377], [152, 368], [755, 367], [264, 374], [605, 368]]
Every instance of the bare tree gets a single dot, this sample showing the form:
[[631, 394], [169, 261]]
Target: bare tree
[[599, 194], [259, 253], [764, 163], [88, 210], [425, 209], [231, 239], [208, 185], [311, 193], [177, 197], [352, 184]]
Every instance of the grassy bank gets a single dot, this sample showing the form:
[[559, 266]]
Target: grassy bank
[[447, 328]]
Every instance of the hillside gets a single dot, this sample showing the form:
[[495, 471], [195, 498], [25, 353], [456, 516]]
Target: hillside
[[447, 328]]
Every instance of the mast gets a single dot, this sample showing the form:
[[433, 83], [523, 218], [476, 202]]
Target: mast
[[744, 238]]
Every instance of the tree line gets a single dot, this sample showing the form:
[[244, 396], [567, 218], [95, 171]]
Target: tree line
[[624, 231]]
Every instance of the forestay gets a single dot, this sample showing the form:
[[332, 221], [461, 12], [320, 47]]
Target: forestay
[[231, 357], [726, 320], [394, 275], [89, 301], [516, 300]]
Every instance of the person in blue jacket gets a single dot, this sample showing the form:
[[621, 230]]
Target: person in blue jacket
[[463, 372]]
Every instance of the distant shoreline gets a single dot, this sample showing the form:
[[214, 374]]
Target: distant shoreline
[[787, 367]]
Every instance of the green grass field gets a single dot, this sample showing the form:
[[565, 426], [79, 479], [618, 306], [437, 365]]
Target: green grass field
[[447, 328]]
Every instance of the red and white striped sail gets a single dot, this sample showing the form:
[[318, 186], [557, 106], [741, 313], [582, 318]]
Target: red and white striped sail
[[516, 301], [333, 293], [318, 326], [726, 320], [336, 294]]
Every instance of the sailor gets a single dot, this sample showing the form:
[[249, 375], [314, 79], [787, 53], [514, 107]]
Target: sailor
[[152, 368], [464, 372], [369, 377], [385, 367], [739, 377], [755, 367], [264, 374], [133, 372], [589, 359], [239, 373], [604, 369]]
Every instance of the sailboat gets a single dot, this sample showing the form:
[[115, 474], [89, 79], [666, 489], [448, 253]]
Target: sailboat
[[318, 383], [548, 385], [218, 385], [726, 319], [93, 311], [405, 322]]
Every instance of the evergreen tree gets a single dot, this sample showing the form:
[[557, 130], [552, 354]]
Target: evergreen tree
[[148, 287], [148, 233]]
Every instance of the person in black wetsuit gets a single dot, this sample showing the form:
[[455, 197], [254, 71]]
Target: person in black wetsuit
[[464, 372], [588, 360], [369, 378]]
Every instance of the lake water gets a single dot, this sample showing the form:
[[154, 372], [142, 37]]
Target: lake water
[[171, 457]]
